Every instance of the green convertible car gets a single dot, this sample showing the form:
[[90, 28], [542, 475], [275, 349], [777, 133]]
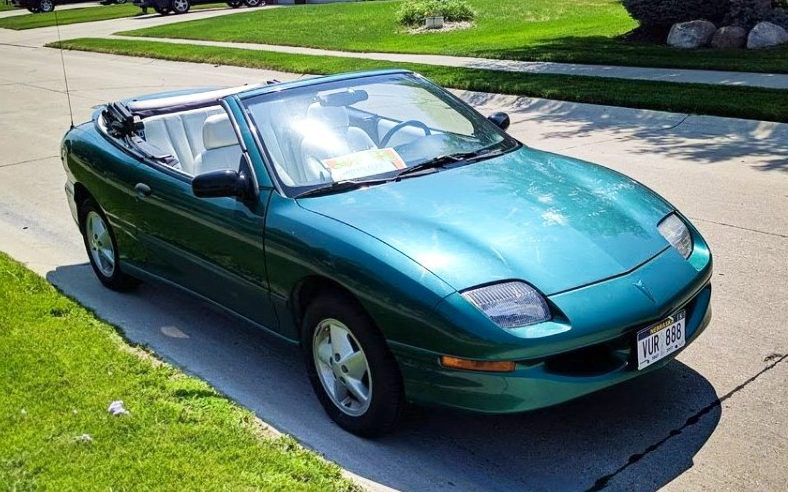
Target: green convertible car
[[414, 250]]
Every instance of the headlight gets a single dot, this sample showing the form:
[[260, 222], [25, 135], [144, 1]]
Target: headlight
[[510, 304], [675, 231]]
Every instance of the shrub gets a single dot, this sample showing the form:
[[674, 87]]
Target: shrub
[[747, 13], [413, 12], [667, 12]]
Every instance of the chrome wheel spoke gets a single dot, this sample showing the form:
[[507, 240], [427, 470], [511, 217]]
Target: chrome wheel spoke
[[324, 353], [354, 365], [357, 389], [100, 243], [340, 341], [340, 390], [342, 367]]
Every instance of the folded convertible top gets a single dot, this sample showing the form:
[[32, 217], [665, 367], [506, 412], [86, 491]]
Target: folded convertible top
[[171, 104]]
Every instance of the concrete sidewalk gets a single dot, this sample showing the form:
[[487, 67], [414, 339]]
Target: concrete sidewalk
[[746, 79], [106, 29]]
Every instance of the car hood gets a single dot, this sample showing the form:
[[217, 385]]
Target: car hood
[[555, 222]]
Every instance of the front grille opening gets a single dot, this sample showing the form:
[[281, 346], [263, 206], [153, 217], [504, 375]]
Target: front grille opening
[[589, 361]]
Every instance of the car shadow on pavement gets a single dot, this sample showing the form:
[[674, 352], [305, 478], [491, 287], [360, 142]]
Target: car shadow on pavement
[[638, 435], [697, 139]]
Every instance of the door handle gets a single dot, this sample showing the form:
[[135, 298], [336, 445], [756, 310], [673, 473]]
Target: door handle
[[142, 190]]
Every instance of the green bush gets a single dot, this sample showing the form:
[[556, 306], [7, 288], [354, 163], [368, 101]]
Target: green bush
[[413, 12], [667, 12], [747, 13]]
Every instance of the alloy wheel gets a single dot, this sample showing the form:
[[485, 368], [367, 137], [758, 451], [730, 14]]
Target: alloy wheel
[[180, 6], [100, 242], [46, 6], [342, 367]]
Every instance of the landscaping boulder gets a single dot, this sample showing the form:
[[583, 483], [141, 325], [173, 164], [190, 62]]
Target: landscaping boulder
[[692, 34], [766, 34], [729, 37]]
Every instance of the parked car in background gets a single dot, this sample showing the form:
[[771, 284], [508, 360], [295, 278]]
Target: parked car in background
[[165, 7], [37, 6]]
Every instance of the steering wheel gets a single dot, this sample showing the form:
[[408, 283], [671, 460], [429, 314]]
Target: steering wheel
[[399, 126]]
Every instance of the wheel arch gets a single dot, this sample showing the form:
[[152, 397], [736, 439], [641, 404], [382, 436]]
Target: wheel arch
[[310, 288], [81, 194]]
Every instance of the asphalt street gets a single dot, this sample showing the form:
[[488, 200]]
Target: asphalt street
[[715, 418]]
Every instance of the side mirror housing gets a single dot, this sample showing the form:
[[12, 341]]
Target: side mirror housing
[[501, 120], [222, 183]]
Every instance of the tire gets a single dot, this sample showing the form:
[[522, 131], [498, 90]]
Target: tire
[[46, 6], [100, 249], [375, 374], [254, 3], [180, 6], [121, 2], [234, 4]]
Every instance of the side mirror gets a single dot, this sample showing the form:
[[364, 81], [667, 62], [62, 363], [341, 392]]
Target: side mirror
[[501, 120], [222, 183]]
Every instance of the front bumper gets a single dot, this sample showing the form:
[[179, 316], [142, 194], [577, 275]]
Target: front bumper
[[538, 383], [589, 346]]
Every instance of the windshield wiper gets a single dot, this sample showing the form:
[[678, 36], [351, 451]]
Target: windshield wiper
[[442, 160], [341, 186]]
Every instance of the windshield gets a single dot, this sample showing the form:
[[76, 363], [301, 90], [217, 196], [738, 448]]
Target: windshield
[[366, 128]]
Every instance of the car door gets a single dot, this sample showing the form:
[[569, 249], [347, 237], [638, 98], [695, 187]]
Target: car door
[[211, 246]]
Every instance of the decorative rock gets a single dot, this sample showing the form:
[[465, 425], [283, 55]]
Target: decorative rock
[[766, 34], [729, 37], [692, 34]]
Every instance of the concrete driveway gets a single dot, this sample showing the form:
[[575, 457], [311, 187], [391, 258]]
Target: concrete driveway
[[716, 418]]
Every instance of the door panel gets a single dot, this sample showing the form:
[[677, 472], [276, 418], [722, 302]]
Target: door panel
[[212, 246]]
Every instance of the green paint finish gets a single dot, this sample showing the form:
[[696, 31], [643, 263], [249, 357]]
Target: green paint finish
[[583, 235]]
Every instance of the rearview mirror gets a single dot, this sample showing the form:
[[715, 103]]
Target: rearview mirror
[[501, 120], [225, 182]]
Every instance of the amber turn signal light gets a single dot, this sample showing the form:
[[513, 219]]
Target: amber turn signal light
[[478, 365]]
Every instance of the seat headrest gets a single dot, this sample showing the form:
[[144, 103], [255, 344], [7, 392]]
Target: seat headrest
[[217, 132], [331, 116]]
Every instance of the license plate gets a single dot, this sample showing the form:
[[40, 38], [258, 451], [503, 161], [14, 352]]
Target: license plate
[[661, 339]]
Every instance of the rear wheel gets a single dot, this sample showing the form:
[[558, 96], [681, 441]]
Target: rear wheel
[[350, 367], [102, 248], [46, 6], [180, 6], [254, 3]]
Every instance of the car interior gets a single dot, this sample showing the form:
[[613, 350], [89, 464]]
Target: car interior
[[299, 133]]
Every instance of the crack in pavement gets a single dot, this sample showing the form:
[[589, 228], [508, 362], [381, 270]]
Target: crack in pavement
[[768, 233], [603, 481], [29, 161]]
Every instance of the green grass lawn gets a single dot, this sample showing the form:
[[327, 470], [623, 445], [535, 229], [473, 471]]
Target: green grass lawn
[[76, 16], [582, 31], [742, 102], [6, 6], [60, 369]]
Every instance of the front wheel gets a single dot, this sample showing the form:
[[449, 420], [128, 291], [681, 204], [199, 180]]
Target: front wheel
[[46, 6], [350, 367], [254, 3], [180, 6], [102, 248]]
